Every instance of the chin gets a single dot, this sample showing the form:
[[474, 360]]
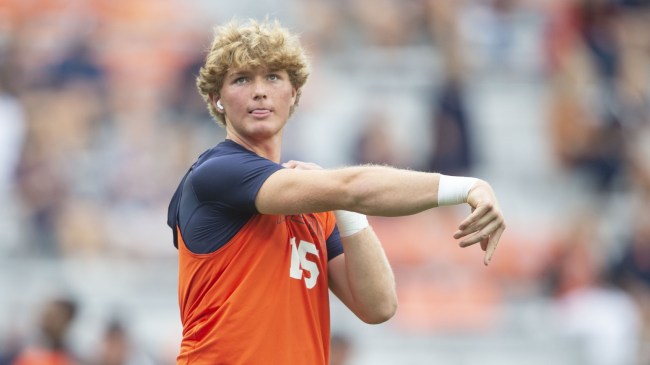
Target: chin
[[264, 133], [266, 128]]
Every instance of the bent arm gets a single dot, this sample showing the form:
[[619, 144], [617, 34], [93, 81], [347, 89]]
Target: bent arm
[[371, 190], [362, 279]]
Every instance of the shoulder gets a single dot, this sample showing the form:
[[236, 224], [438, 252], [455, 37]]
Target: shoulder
[[231, 174]]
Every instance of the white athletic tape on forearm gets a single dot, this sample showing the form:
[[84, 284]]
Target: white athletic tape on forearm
[[453, 190], [350, 223]]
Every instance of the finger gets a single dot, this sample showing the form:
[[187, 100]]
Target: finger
[[481, 235], [477, 225], [484, 244], [289, 164], [474, 216], [492, 245]]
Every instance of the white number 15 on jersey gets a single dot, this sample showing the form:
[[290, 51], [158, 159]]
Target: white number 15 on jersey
[[299, 262]]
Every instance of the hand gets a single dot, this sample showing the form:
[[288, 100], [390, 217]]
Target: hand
[[299, 165], [485, 224]]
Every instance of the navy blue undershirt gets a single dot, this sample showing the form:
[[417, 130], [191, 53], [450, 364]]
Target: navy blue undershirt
[[216, 198]]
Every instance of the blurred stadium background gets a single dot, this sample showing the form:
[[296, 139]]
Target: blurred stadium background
[[549, 100]]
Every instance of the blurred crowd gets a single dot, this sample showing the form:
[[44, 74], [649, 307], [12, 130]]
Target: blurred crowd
[[99, 118]]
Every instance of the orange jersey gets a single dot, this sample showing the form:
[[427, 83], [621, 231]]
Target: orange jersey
[[272, 306], [253, 288]]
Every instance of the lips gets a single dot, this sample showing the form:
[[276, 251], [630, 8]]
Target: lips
[[260, 112]]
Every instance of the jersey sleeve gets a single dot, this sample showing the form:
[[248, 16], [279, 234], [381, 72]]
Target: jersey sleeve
[[233, 180], [334, 245], [333, 241]]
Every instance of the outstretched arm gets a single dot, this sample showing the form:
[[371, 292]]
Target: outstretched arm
[[371, 190], [381, 191]]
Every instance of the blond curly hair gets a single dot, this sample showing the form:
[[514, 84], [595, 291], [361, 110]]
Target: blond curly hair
[[249, 46]]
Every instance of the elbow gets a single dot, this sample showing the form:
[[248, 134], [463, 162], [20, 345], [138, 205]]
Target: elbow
[[381, 312]]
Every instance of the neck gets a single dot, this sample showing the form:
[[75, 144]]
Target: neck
[[268, 148]]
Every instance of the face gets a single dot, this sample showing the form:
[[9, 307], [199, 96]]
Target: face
[[54, 320], [256, 103]]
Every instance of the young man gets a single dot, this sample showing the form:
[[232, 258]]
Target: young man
[[261, 242]]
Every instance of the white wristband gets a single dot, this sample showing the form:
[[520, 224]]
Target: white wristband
[[453, 190], [350, 223]]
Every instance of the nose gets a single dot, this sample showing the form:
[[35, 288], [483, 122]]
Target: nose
[[259, 89]]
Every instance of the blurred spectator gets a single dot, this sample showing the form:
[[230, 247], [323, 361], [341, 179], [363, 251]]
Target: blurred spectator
[[452, 153], [632, 270], [57, 163], [389, 23], [633, 39], [12, 139], [601, 316], [376, 145], [78, 63], [328, 33], [117, 348], [596, 21], [12, 117], [452, 141], [186, 103], [491, 25], [40, 180], [597, 106], [634, 265], [50, 345], [10, 346], [605, 321]]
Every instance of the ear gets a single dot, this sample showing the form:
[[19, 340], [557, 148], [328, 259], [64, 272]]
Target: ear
[[214, 99], [294, 92]]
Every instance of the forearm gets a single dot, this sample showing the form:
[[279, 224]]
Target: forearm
[[386, 191], [370, 279]]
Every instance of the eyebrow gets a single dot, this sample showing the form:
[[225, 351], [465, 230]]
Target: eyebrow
[[238, 74], [249, 72]]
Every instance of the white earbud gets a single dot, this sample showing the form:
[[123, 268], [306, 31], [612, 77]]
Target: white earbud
[[219, 106]]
